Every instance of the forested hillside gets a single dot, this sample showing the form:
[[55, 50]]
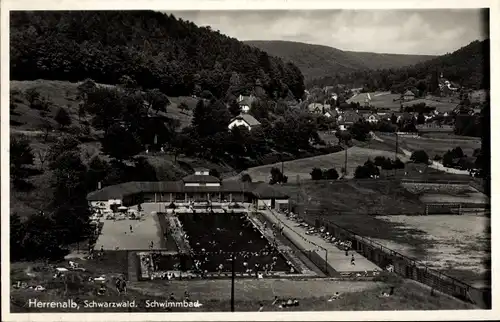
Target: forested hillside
[[468, 66], [316, 61], [154, 49]]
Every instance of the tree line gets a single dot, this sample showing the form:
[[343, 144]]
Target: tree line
[[467, 66], [155, 49]]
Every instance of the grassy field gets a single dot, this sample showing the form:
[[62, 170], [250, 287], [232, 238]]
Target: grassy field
[[63, 94], [302, 167], [433, 145], [459, 245], [215, 294]]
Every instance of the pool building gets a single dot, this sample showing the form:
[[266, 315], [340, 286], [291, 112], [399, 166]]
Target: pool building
[[198, 187]]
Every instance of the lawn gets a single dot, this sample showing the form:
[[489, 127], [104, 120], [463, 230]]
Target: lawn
[[433, 145], [302, 167], [215, 294], [458, 245]]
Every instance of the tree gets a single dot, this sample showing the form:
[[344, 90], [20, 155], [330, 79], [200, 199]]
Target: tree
[[68, 178], [379, 160], [32, 96], [331, 174], [65, 143], [394, 119], [448, 159], [40, 240], [42, 156], [343, 136], [316, 174], [157, 100], [86, 87], [458, 152], [62, 117], [246, 178], [120, 143], [420, 156], [234, 108], [214, 173], [96, 172], [277, 176], [420, 118], [360, 130], [21, 154], [398, 164], [16, 233]]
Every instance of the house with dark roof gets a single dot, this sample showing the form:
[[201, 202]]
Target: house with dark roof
[[245, 102], [408, 96], [198, 187], [246, 120], [347, 119]]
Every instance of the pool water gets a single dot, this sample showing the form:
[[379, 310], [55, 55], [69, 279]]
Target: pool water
[[214, 237]]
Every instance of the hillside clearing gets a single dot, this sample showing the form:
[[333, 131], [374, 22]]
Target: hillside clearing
[[433, 145], [64, 93], [302, 167]]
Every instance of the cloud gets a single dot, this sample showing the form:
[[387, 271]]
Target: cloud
[[427, 31]]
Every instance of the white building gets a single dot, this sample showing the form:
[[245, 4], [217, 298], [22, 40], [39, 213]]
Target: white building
[[246, 120]]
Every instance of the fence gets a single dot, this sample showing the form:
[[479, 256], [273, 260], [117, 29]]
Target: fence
[[408, 267]]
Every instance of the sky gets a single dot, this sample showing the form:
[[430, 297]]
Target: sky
[[423, 32]]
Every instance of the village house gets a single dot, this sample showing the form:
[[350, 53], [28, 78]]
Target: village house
[[245, 120], [245, 102], [371, 117], [318, 108], [347, 119], [408, 96]]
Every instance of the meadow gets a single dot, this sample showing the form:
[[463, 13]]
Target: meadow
[[434, 145]]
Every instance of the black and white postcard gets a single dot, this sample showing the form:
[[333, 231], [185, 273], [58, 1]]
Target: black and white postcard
[[222, 160]]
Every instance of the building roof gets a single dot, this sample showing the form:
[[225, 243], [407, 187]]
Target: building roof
[[247, 118], [350, 117], [258, 189], [314, 107], [367, 115], [409, 93], [201, 178]]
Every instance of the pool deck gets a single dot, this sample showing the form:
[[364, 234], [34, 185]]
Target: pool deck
[[336, 257], [116, 233]]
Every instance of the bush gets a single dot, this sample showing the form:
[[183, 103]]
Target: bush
[[331, 174], [316, 174], [379, 160], [437, 157], [368, 170], [398, 164], [420, 156], [387, 164], [246, 178]]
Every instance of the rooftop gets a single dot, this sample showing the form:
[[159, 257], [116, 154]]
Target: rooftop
[[258, 189], [249, 119]]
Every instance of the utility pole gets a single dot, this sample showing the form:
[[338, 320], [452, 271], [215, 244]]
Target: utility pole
[[345, 161], [233, 259], [396, 151]]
